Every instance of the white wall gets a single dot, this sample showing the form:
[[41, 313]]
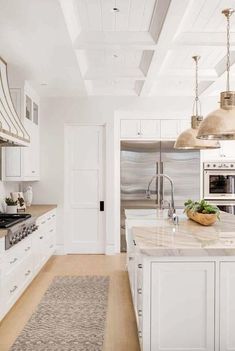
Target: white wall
[[5, 189], [55, 112]]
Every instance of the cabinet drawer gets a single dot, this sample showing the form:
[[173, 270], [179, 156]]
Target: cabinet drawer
[[18, 279], [17, 253]]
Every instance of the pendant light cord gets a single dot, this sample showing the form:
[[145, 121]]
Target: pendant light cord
[[228, 13], [228, 53], [197, 103]]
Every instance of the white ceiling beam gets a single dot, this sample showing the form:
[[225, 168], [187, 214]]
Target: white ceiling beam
[[174, 18], [203, 73], [213, 39], [98, 40], [109, 73]]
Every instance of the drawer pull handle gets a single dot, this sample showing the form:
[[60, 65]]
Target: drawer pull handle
[[14, 260], [13, 289], [41, 237], [27, 248], [49, 218], [43, 222], [134, 242], [28, 272], [51, 246], [139, 291], [140, 313], [51, 230], [140, 265], [53, 215], [140, 333]]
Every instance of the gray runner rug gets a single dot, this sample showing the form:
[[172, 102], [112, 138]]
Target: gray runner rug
[[70, 317]]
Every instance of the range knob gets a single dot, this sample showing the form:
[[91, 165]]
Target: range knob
[[232, 165], [214, 165]]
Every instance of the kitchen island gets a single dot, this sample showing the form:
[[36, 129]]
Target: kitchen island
[[182, 280]]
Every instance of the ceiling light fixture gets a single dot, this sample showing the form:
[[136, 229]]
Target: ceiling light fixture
[[220, 124], [115, 9], [188, 139]]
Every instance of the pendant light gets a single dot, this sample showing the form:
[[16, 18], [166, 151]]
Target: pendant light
[[220, 124], [188, 138]]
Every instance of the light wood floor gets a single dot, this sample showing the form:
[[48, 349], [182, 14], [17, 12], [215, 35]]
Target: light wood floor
[[121, 331]]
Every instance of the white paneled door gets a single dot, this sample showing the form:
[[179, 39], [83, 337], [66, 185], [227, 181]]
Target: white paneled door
[[84, 189]]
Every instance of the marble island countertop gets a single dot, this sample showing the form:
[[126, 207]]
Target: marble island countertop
[[35, 211], [187, 239]]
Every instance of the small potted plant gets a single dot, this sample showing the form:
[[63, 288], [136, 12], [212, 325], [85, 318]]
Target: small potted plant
[[11, 205], [202, 212]]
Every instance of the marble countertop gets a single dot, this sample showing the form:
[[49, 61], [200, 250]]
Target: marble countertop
[[35, 211], [188, 238]]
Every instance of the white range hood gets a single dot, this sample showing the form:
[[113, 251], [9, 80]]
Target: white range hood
[[12, 131]]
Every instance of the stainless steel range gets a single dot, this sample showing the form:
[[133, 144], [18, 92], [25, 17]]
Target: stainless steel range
[[18, 226]]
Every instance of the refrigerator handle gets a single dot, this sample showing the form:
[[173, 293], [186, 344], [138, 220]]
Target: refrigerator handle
[[161, 191]]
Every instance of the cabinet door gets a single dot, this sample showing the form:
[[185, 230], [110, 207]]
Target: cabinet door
[[31, 153], [169, 129], [130, 128], [182, 306], [150, 128], [227, 306], [12, 163]]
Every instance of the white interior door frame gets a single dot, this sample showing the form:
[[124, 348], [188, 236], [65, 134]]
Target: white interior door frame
[[68, 126]]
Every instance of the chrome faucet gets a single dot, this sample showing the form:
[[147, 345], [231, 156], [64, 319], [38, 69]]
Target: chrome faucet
[[171, 210]]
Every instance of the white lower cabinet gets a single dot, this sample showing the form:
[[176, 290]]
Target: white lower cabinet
[[22, 262], [227, 306], [184, 305]]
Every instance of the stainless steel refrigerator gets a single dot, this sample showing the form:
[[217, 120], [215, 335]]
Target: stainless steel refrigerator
[[140, 161]]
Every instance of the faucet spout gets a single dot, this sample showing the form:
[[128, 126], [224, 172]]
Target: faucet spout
[[171, 210]]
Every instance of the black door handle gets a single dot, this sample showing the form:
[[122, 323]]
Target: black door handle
[[101, 206]]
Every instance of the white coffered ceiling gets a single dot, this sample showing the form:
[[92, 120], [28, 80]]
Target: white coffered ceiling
[[84, 47], [145, 48]]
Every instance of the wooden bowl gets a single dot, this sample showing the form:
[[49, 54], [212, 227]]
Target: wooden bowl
[[202, 218]]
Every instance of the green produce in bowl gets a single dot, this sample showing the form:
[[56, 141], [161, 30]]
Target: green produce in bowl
[[201, 207]]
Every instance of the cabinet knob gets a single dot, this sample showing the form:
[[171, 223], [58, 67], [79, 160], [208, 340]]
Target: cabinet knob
[[13, 289], [139, 291], [14, 260], [140, 265], [140, 313], [41, 237]]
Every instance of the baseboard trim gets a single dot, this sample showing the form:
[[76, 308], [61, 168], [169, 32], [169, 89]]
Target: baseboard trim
[[60, 250], [110, 250]]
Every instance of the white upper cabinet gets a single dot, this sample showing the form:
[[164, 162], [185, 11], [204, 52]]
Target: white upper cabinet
[[165, 129], [170, 128], [130, 128], [22, 163], [140, 128], [150, 128]]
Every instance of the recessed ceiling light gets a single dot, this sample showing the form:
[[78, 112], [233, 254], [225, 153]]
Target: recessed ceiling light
[[115, 9]]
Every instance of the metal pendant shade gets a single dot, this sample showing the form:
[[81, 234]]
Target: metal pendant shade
[[188, 140], [220, 124]]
